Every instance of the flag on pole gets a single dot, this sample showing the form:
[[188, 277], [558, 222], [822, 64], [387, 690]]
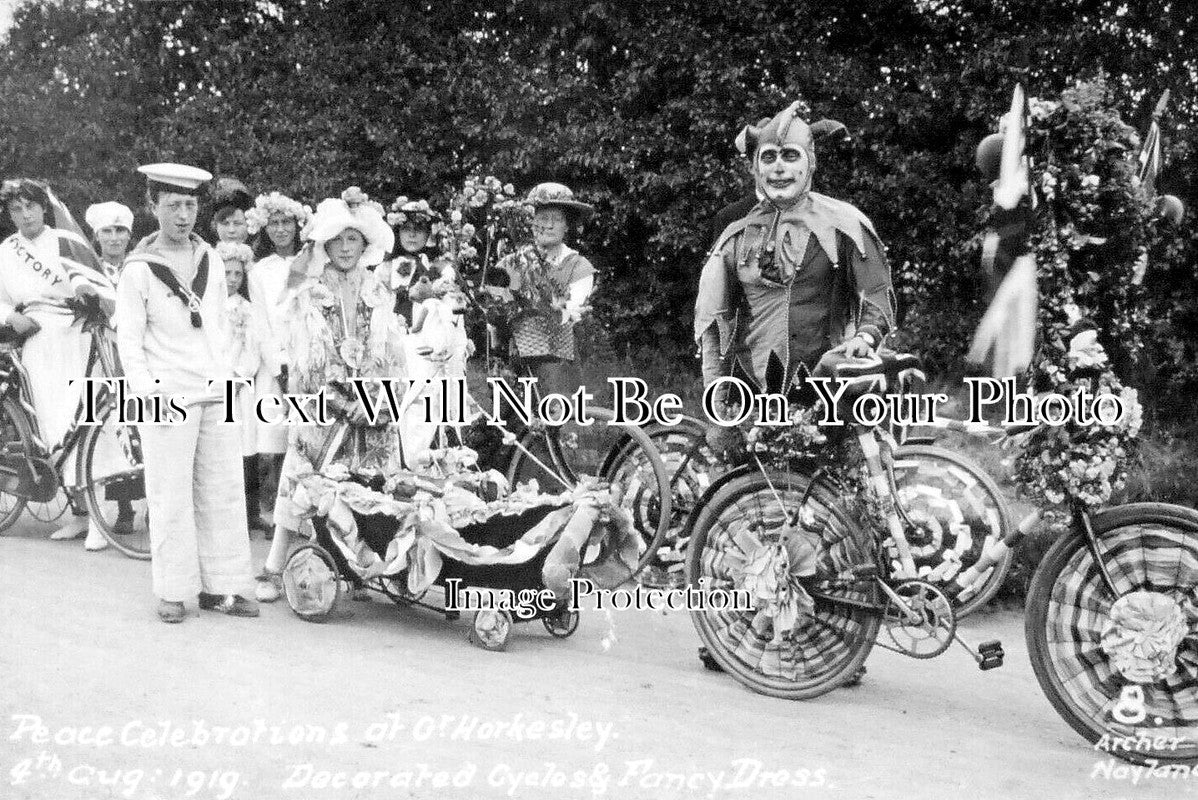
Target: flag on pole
[[1005, 337], [1150, 152]]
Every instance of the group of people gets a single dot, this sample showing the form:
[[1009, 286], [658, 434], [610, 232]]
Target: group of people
[[289, 301], [295, 300]]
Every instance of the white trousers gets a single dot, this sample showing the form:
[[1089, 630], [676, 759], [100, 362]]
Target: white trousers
[[195, 493]]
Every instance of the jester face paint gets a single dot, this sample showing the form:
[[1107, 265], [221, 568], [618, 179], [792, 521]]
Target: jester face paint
[[783, 172]]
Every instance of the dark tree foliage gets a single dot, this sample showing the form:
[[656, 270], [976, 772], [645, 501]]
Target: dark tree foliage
[[634, 105]]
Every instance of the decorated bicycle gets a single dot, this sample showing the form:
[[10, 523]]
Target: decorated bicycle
[[816, 531]]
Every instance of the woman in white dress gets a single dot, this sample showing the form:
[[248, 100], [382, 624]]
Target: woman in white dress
[[275, 223]]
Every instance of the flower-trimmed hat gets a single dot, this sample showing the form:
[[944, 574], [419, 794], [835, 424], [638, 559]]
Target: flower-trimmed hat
[[411, 212], [276, 203], [354, 209], [557, 195]]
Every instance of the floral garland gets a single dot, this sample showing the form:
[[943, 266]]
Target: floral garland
[[368, 350], [275, 203], [1095, 228]]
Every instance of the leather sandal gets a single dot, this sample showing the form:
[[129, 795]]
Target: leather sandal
[[232, 604]]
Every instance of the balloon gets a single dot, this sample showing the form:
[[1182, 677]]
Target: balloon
[[989, 155], [1170, 208]]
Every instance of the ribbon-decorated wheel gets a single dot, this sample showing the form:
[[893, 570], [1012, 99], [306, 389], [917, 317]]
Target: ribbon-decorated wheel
[[1123, 665], [956, 512], [795, 561], [311, 583]]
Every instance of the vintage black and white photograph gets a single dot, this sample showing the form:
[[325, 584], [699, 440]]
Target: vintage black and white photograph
[[723, 400]]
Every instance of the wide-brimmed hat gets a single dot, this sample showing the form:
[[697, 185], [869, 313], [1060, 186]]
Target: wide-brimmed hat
[[557, 195], [333, 215]]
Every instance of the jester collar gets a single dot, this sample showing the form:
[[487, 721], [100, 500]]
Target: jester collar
[[792, 228]]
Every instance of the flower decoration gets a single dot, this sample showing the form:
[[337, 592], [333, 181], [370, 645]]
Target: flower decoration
[[354, 197], [276, 203], [403, 211], [1093, 226], [353, 352], [1142, 635]]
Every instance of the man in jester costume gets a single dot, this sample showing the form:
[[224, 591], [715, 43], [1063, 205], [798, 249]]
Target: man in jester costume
[[798, 283]]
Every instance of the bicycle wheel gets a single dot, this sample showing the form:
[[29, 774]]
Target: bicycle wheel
[[957, 511], [16, 434], [693, 468], [1150, 548], [311, 583], [112, 473], [623, 455], [827, 645]]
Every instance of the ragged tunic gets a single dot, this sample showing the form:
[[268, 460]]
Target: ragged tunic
[[782, 287]]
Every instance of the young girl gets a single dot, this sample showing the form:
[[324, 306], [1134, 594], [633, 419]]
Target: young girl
[[411, 274], [275, 222], [244, 340]]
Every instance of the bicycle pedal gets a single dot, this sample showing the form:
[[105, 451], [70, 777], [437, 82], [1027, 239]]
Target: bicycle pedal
[[991, 655], [864, 572]]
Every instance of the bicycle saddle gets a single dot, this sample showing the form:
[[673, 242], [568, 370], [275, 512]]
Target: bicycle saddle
[[886, 366]]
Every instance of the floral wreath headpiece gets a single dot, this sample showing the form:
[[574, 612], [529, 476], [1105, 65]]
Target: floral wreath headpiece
[[411, 212], [276, 203]]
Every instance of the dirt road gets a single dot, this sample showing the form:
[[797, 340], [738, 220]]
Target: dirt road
[[102, 700]]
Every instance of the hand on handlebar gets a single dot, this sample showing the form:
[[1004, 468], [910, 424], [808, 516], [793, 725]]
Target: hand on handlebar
[[858, 347]]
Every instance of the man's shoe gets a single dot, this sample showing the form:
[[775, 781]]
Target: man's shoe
[[270, 586], [170, 611], [232, 604]]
